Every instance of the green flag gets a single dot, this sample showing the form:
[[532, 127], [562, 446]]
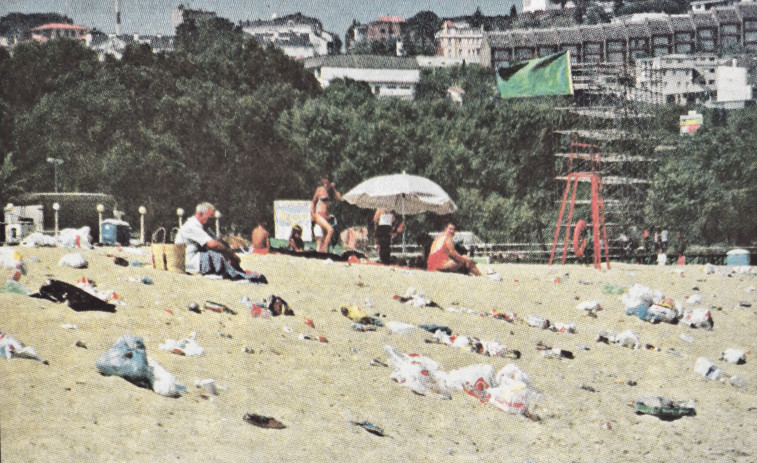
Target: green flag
[[549, 75]]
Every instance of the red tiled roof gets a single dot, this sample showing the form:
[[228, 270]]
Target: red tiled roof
[[391, 19], [58, 26]]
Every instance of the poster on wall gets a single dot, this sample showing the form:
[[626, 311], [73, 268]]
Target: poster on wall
[[286, 213]]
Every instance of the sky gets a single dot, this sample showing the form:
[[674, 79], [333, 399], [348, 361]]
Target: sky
[[154, 16]]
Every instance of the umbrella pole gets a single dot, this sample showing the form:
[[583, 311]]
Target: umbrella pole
[[404, 231]]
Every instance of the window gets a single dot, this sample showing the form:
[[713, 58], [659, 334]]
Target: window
[[661, 40], [638, 43], [729, 41], [707, 45], [616, 57], [524, 53], [729, 29], [593, 48], [683, 48], [750, 25], [661, 51], [544, 51], [615, 45], [501, 55], [705, 33], [750, 37], [684, 37]]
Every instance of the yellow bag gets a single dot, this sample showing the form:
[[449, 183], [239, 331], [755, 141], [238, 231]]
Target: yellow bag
[[175, 255], [158, 249]]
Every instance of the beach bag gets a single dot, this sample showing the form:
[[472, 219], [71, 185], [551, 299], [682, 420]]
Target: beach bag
[[158, 248], [175, 255]]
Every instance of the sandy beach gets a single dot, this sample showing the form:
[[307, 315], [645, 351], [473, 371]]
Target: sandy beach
[[67, 411]]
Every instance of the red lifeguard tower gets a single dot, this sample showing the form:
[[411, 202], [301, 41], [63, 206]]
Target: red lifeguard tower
[[583, 153]]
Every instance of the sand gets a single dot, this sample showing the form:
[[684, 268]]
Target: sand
[[67, 411]]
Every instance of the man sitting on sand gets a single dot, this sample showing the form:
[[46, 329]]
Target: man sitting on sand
[[206, 254], [444, 258], [261, 239]]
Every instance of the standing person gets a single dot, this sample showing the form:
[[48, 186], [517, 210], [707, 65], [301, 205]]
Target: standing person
[[205, 253], [319, 211], [664, 240], [444, 258], [261, 239], [385, 227]]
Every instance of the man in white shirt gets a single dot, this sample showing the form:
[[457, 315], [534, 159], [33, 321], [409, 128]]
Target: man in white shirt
[[206, 254]]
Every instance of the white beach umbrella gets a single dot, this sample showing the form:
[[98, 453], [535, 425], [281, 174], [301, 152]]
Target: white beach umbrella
[[403, 194]]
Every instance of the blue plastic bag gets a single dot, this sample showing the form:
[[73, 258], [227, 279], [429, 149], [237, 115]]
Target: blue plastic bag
[[127, 359]]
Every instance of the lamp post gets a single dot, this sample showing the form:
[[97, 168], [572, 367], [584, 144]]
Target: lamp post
[[218, 226], [180, 213], [56, 208], [55, 162], [100, 208], [142, 212]]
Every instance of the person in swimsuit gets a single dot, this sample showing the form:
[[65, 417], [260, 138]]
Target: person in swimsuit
[[319, 211], [444, 258], [261, 239]]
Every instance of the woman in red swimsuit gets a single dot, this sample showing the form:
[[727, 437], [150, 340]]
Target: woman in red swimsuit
[[443, 257]]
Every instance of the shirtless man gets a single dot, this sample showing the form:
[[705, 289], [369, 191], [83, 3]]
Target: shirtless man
[[261, 239], [319, 211], [444, 258]]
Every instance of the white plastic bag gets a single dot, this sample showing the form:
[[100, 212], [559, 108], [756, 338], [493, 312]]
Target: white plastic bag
[[662, 313], [641, 295], [163, 382], [470, 375], [698, 318], [73, 237], [187, 346], [74, 260], [589, 306], [734, 356], [418, 372], [512, 397], [706, 368], [11, 347], [510, 373], [403, 329]]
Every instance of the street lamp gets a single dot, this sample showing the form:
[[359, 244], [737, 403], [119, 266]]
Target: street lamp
[[142, 212], [100, 208], [218, 227], [55, 162], [180, 213], [56, 208]]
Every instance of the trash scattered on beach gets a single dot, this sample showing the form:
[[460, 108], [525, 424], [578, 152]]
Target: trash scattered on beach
[[698, 318], [209, 385], [187, 346], [11, 347], [77, 298], [263, 421], [74, 260], [627, 338], [356, 314], [128, 359], [734, 356], [415, 298], [665, 408], [218, 307], [370, 427], [590, 307], [706, 368]]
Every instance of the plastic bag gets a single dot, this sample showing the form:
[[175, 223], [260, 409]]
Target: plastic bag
[[187, 346], [419, 373], [706, 368], [403, 329], [734, 356], [76, 237], [470, 375], [11, 347], [512, 372], [127, 359], [512, 397], [641, 295], [698, 318], [163, 382], [74, 260]]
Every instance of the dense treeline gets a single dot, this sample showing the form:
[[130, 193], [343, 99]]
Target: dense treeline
[[224, 120]]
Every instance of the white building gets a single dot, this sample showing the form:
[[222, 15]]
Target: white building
[[690, 79], [296, 35], [460, 40], [388, 76], [529, 6]]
